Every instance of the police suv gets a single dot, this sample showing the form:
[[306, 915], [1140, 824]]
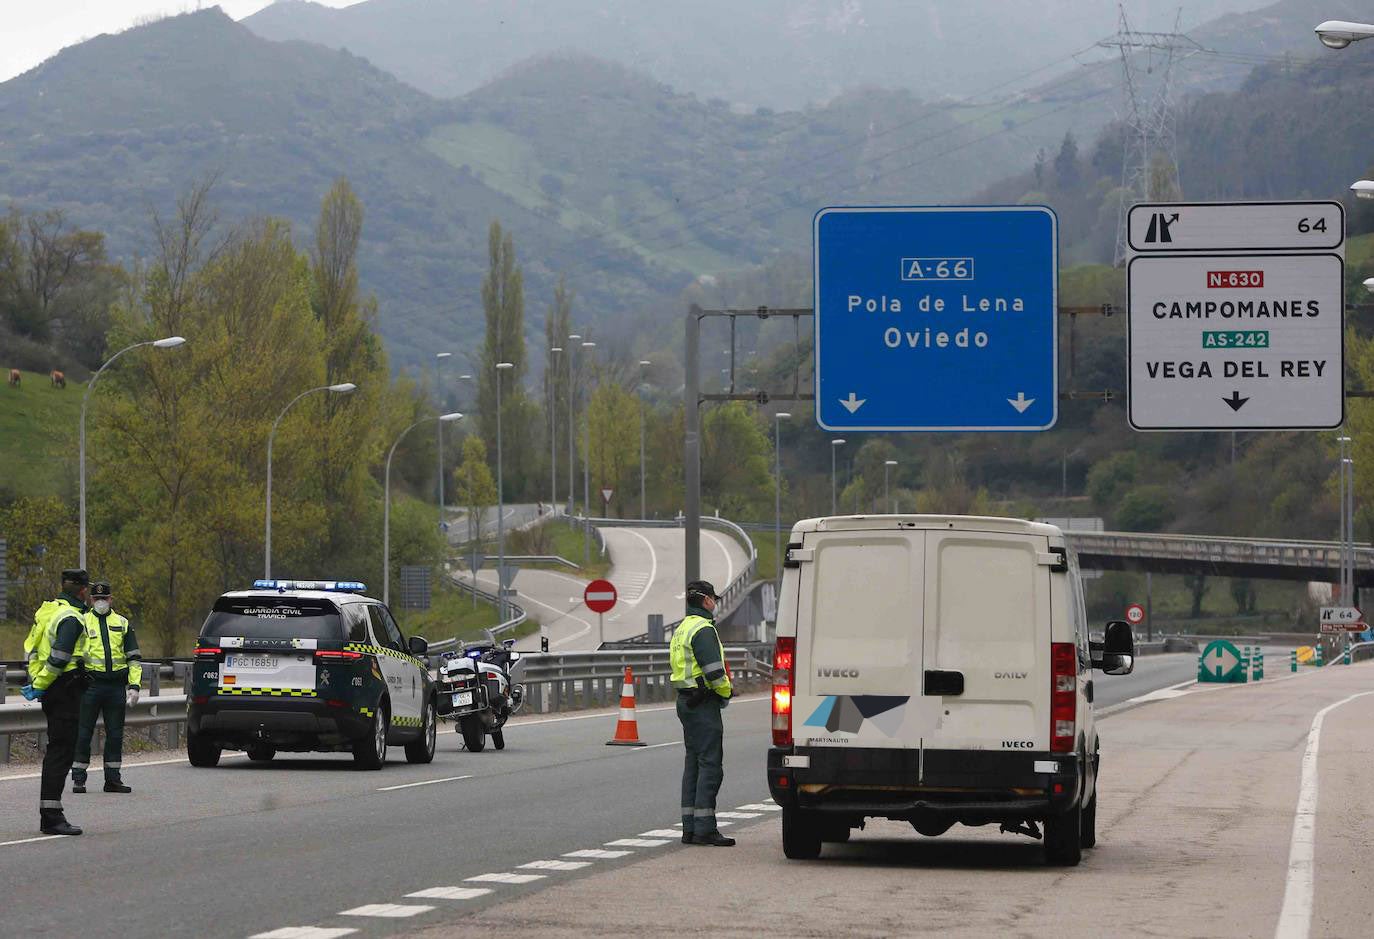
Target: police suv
[[936, 670], [308, 665]]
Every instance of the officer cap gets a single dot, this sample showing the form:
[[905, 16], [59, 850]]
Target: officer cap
[[100, 589], [76, 575], [701, 588]]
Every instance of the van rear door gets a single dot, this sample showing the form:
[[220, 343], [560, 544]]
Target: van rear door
[[987, 629], [859, 645]]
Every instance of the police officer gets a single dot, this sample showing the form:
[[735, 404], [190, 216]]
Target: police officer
[[114, 665], [703, 690], [56, 678]]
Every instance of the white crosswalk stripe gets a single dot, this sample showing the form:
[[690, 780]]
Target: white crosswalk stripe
[[598, 854], [388, 910], [557, 865], [636, 843], [504, 878], [304, 932], [451, 893]]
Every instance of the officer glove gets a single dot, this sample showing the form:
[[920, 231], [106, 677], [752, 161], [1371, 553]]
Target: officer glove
[[32, 693], [131, 696]]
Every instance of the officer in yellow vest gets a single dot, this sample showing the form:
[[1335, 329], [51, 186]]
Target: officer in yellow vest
[[703, 690], [115, 667], [54, 648]]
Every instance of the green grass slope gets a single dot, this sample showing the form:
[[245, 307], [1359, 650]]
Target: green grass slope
[[38, 435]]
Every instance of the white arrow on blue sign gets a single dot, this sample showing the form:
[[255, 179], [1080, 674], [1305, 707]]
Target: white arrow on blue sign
[[936, 318]]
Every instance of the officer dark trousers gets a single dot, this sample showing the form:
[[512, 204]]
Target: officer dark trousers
[[104, 698], [62, 707], [703, 734]]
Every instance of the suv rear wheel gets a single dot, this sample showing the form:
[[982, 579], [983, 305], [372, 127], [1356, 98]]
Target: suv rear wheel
[[369, 751], [201, 751], [421, 749], [801, 834]]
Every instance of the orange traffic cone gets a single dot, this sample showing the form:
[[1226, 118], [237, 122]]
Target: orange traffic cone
[[627, 729]]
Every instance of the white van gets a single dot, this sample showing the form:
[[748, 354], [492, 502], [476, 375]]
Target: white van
[[936, 669]]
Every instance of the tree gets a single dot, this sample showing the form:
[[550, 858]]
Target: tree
[[557, 327], [503, 306], [1066, 164], [1145, 508], [1197, 585], [736, 462], [474, 487], [612, 417]]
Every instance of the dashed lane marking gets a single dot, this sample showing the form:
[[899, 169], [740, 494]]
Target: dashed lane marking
[[451, 893], [760, 807], [304, 932], [556, 865], [504, 878], [738, 814], [598, 854], [426, 782], [388, 910], [31, 840], [655, 746], [128, 766], [661, 833], [636, 843]]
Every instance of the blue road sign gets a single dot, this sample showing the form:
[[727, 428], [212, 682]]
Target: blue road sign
[[936, 318]]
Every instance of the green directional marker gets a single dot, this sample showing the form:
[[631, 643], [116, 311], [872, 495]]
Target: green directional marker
[[1221, 662]]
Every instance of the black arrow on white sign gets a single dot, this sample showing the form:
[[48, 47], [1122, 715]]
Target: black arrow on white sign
[[1236, 401]]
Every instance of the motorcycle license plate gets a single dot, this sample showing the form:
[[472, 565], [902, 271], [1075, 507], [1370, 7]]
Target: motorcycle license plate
[[462, 699]]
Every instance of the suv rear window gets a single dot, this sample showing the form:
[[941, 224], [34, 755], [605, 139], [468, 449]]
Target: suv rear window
[[273, 617]]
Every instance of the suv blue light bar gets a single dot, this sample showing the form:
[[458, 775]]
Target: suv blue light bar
[[336, 586]]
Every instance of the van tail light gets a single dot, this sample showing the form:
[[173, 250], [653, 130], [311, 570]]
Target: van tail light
[[1063, 696], [784, 685], [328, 657], [207, 653]]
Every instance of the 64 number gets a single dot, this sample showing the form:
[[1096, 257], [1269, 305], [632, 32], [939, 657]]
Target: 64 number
[[1305, 226]]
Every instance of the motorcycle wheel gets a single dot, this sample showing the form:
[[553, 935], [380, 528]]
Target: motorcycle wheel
[[498, 739], [474, 734]]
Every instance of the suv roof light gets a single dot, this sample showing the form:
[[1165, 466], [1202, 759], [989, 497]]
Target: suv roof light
[[333, 586]]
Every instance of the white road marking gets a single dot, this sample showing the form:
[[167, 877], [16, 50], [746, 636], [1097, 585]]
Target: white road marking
[[729, 561], [303, 932], [128, 766], [661, 833], [504, 878], [760, 807], [451, 893], [641, 710], [1295, 919], [655, 746], [653, 568], [636, 843], [427, 782], [598, 854], [388, 910], [556, 865], [738, 814], [31, 840]]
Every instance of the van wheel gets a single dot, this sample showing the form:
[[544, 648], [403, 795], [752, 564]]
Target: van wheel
[[369, 751], [474, 734], [1064, 838], [421, 749], [801, 834], [201, 751], [1088, 835]]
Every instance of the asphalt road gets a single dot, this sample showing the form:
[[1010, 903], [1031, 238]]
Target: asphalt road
[[514, 516], [245, 849]]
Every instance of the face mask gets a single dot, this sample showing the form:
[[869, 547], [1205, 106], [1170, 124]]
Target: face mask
[[102, 607]]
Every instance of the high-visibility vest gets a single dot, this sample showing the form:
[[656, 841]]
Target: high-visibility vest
[[686, 668], [98, 655], [43, 633]]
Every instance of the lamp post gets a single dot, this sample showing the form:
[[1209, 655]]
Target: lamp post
[[778, 418], [171, 342], [386, 501], [887, 465], [439, 428], [643, 502], [500, 502], [573, 340], [342, 388], [1337, 34], [553, 430], [834, 447], [587, 482]]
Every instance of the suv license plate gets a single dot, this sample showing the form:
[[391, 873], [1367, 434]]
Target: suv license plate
[[259, 662], [462, 699]]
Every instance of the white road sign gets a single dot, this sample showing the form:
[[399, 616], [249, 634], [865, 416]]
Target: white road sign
[[1341, 615], [1237, 313]]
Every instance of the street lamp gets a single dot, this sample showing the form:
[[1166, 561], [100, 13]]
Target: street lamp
[[171, 342], [777, 494], [573, 340], [500, 502], [553, 432], [887, 465], [1337, 34], [386, 502], [439, 396], [834, 448], [587, 483], [1369, 284], [1363, 188], [340, 389], [643, 510]]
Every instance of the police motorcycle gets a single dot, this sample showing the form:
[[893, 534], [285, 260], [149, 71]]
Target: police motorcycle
[[479, 688]]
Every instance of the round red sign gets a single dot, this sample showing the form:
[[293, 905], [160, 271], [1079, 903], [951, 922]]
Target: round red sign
[[1135, 614], [600, 596]]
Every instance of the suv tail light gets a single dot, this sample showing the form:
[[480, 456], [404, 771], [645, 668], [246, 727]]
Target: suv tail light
[[331, 657], [784, 685], [207, 653], [1063, 696]]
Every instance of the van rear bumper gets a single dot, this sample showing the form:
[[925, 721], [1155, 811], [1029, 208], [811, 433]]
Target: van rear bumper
[[973, 785]]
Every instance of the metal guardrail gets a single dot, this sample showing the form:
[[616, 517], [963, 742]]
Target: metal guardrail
[[518, 617]]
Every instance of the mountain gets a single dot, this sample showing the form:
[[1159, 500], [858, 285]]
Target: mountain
[[781, 54]]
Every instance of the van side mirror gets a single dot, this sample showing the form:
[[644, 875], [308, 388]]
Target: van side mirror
[[1115, 654], [418, 646]]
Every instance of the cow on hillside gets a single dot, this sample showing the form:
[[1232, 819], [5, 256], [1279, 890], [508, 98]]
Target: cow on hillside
[[58, 379], [14, 378]]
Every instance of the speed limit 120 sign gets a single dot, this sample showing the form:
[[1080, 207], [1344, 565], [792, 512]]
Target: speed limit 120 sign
[[1135, 614]]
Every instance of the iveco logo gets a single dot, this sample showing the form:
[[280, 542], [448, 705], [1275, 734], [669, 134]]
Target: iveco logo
[[1018, 744], [837, 673], [1009, 674]]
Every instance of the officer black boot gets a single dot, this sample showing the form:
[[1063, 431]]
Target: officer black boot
[[116, 786], [53, 822], [79, 781], [715, 839], [79, 788]]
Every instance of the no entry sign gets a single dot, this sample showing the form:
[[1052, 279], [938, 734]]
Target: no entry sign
[[600, 596]]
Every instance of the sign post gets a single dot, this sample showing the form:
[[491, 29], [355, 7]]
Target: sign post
[[936, 318], [600, 597], [1236, 316]]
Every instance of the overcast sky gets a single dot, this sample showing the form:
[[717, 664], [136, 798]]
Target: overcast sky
[[33, 31]]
